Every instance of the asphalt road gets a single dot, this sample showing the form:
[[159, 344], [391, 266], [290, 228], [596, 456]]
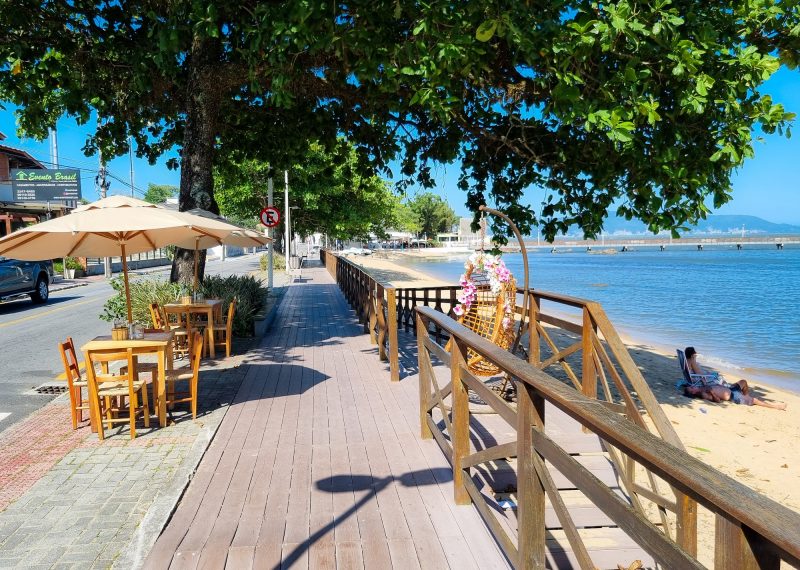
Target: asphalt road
[[29, 336]]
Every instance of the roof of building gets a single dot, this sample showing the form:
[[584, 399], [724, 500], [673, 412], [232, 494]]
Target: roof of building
[[21, 155]]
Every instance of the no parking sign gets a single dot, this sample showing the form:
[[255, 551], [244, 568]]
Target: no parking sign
[[270, 216]]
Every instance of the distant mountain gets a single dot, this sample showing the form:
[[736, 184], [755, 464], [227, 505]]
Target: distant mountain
[[714, 225]]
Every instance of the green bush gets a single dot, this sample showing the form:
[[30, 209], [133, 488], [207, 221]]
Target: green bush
[[144, 290], [249, 294], [278, 261], [58, 268]]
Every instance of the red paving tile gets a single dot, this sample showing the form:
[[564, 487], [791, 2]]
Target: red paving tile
[[29, 448]]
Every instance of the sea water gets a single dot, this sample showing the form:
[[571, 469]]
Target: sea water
[[739, 309]]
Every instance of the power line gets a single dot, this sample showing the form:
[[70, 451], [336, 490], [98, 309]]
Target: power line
[[96, 171]]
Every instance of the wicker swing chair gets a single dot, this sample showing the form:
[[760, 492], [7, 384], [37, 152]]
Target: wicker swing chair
[[487, 317]]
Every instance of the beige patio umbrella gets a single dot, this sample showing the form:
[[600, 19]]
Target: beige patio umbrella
[[117, 225], [241, 237]]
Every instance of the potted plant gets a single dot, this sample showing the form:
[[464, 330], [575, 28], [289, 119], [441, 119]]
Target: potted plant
[[73, 268]]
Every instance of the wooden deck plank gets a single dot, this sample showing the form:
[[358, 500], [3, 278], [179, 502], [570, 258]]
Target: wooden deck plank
[[240, 558], [318, 463], [348, 556], [252, 517], [412, 473]]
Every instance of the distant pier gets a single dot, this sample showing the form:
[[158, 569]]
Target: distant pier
[[664, 244]]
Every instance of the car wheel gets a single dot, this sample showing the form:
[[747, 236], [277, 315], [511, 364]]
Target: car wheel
[[42, 291]]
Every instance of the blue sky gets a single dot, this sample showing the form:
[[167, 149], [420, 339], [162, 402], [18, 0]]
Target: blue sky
[[767, 186]]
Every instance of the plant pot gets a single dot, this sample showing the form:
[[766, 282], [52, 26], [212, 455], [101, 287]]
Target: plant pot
[[69, 273], [186, 300], [119, 334]]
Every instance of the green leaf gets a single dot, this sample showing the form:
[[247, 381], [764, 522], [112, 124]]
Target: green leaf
[[486, 30]]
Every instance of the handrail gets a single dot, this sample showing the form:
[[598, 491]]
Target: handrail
[[750, 526]]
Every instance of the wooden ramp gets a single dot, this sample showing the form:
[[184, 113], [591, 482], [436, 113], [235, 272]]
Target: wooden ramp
[[319, 463]]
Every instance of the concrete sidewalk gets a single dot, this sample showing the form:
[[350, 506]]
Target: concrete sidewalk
[[68, 500]]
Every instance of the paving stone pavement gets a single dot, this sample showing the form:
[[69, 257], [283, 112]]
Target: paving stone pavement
[[78, 502]]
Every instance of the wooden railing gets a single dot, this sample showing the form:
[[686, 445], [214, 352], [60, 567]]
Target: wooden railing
[[374, 302], [752, 531]]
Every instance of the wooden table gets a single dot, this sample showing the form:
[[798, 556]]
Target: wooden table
[[159, 343], [208, 307]]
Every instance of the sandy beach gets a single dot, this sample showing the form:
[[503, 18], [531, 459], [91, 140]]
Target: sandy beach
[[757, 446]]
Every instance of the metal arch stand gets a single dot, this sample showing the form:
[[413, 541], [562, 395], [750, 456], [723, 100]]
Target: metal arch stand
[[525, 294]]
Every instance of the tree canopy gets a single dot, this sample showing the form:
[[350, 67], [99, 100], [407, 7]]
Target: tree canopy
[[326, 187], [158, 193], [647, 107], [433, 213]]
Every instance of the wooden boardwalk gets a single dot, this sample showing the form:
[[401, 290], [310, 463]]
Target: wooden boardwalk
[[319, 463]]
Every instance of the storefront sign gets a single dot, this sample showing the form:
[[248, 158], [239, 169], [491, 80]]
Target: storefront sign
[[31, 185]]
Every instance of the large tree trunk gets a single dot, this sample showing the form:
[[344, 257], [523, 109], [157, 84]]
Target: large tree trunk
[[197, 154]]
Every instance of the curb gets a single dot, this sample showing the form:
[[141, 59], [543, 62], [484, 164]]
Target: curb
[[57, 288]]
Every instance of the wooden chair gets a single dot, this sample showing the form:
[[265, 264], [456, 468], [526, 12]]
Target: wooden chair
[[189, 373], [103, 386], [156, 316], [181, 344], [150, 368], [75, 381], [225, 328]]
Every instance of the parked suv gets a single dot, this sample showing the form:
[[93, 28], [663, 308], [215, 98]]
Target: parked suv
[[26, 278]]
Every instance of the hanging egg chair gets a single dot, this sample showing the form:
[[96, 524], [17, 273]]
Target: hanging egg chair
[[486, 306]]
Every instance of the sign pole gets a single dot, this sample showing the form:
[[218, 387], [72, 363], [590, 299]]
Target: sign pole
[[288, 223], [269, 235]]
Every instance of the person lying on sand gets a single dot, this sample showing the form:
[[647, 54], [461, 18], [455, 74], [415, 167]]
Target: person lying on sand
[[711, 378], [720, 393]]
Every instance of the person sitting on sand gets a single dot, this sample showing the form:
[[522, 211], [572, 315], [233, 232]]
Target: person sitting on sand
[[710, 378], [720, 393]]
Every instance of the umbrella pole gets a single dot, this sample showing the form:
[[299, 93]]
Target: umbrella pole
[[127, 287], [196, 243]]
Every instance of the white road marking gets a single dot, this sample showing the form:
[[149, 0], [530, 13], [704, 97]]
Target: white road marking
[[4, 416]]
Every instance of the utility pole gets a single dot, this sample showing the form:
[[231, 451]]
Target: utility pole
[[130, 157], [102, 188], [269, 235], [54, 147]]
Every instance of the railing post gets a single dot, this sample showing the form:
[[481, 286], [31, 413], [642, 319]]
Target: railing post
[[394, 358], [423, 359], [365, 292], [534, 349], [738, 548], [685, 523], [460, 421], [530, 491], [381, 323], [589, 374], [372, 301]]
